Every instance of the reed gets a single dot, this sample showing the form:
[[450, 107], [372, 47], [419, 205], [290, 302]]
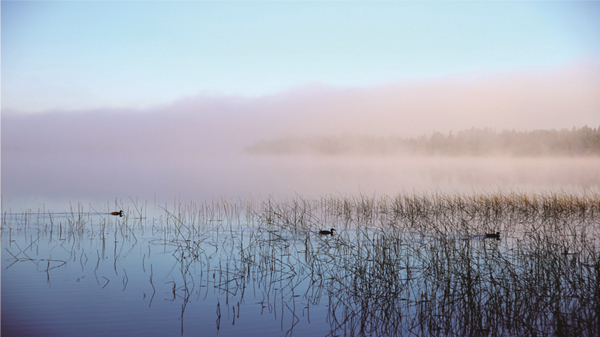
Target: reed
[[396, 265]]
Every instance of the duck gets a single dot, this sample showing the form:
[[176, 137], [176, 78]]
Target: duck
[[119, 213], [326, 232], [493, 236]]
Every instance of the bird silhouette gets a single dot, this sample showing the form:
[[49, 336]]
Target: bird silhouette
[[493, 236], [325, 232], [119, 213]]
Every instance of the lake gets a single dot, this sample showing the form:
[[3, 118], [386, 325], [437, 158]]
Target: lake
[[57, 180], [410, 263]]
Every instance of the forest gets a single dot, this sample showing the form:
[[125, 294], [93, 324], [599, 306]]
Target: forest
[[584, 141]]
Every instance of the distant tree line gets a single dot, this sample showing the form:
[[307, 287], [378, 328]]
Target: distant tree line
[[584, 141]]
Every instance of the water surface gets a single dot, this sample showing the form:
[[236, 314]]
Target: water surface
[[410, 264]]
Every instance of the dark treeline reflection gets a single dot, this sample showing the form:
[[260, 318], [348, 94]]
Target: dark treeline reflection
[[584, 141], [410, 264]]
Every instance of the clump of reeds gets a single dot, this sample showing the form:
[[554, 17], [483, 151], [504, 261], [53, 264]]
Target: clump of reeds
[[409, 264], [423, 260]]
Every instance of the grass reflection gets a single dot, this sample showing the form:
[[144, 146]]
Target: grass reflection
[[410, 264]]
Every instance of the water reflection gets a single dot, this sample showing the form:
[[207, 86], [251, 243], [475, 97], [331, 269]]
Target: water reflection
[[413, 264], [60, 179]]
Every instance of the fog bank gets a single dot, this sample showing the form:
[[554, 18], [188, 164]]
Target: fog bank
[[555, 99], [194, 146]]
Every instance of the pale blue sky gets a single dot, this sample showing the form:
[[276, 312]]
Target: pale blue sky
[[89, 55]]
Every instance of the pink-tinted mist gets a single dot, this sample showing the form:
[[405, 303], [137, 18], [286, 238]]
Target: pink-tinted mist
[[194, 146]]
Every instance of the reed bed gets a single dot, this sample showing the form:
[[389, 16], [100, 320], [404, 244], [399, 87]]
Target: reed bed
[[420, 264], [405, 265]]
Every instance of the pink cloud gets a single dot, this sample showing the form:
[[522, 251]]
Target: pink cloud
[[193, 145], [561, 98]]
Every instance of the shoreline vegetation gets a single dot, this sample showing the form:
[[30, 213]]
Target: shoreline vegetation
[[396, 265], [577, 142]]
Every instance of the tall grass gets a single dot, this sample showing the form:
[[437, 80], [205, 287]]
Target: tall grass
[[420, 263], [412, 264]]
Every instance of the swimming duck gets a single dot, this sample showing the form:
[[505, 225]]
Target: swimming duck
[[493, 236], [325, 232], [119, 213]]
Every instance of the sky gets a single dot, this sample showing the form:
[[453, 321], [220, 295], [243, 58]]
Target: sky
[[80, 55]]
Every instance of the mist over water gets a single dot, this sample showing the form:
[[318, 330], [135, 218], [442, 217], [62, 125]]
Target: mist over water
[[95, 179], [194, 148], [326, 168]]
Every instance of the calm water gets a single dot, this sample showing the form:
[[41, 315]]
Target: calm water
[[412, 264], [58, 180], [121, 278]]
